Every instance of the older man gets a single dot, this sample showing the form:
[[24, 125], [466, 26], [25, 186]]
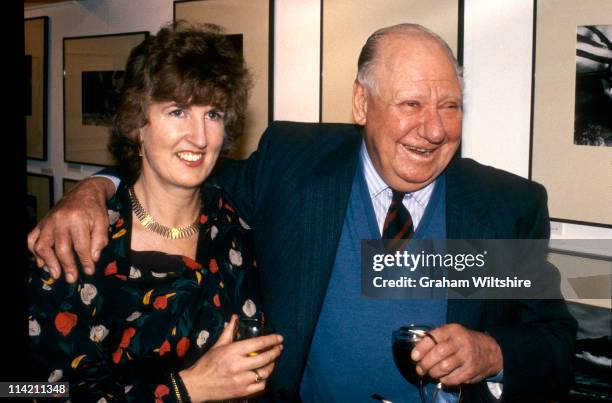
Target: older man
[[312, 191]]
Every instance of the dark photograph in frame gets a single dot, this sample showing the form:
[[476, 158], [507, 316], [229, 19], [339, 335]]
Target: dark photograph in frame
[[593, 119], [93, 67], [575, 172], [39, 198], [99, 96], [249, 26], [36, 67]]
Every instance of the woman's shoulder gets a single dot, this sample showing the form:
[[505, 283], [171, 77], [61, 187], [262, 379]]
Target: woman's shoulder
[[118, 208], [217, 206], [120, 199]]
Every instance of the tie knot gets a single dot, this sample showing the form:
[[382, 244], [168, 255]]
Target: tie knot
[[397, 195]]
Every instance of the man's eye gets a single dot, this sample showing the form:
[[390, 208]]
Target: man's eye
[[214, 115], [412, 104]]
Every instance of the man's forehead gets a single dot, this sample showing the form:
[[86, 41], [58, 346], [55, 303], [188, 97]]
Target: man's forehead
[[403, 58], [418, 51], [407, 41], [440, 89]]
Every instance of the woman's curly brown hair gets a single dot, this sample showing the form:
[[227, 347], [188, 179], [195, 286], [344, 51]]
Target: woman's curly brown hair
[[190, 64]]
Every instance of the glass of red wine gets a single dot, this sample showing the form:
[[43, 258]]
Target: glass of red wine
[[403, 341]]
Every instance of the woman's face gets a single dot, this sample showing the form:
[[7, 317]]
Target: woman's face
[[181, 143]]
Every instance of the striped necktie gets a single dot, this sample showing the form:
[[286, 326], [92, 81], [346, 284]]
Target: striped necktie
[[398, 227]]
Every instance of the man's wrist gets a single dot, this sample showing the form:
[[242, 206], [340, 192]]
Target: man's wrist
[[497, 357], [114, 181], [105, 184]]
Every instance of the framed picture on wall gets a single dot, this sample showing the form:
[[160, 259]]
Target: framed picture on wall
[[36, 56], [67, 184], [571, 121], [347, 24], [249, 25], [93, 69], [39, 198]]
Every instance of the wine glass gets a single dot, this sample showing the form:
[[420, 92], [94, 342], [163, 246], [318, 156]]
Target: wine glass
[[250, 326], [247, 328], [403, 341]]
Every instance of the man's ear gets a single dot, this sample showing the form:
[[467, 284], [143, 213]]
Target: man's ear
[[360, 103]]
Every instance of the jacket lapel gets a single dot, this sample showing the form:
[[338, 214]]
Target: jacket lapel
[[462, 217]]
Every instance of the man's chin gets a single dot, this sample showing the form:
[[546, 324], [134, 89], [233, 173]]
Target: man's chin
[[410, 184]]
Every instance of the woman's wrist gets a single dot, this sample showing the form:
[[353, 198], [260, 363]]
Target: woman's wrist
[[184, 385]]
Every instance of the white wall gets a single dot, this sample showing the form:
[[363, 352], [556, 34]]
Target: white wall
[[497, 59], [497, 72]]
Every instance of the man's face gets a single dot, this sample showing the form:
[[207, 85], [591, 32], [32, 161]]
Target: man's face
[[413, 119]]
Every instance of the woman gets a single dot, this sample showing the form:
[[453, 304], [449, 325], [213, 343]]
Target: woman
[[149, 324]]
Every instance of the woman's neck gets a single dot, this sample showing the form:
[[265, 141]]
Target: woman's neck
[[171, 206]]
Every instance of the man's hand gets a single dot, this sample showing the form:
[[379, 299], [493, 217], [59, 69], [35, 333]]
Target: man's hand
[[79, 220], [462, 356]]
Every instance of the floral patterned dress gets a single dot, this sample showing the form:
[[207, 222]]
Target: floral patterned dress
[[116, 335]]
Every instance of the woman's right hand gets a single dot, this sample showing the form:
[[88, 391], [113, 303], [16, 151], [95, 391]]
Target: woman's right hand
[[227, 370]]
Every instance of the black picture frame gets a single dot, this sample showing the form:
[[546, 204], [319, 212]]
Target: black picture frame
[[576, 177], [67, 184], [36, 65], [100, 58], [39, 196]]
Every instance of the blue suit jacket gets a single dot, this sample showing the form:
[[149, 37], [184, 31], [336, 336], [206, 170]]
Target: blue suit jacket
[[294, 191]]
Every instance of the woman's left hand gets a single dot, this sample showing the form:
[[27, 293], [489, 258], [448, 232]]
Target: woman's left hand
[[228, 370]]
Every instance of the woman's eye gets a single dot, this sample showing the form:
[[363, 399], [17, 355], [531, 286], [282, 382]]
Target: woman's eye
[[214, 115], [179, 112]]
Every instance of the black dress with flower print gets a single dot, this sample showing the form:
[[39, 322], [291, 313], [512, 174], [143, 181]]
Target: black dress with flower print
[[116, 335]]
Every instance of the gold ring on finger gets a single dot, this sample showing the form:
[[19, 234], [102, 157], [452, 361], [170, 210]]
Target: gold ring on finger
[[258, 377]]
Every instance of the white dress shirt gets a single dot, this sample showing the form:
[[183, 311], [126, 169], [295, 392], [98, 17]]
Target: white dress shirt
[[381, 194]]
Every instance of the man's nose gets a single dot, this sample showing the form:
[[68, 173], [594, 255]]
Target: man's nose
[[432, 128]]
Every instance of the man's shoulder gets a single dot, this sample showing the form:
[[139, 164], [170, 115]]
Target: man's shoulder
[[491, 180], [469, 170], [309, 128], [288, 132], [308, 144], [504, 205]]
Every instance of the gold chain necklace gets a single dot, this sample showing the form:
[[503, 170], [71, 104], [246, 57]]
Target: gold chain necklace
[[149, 222]]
